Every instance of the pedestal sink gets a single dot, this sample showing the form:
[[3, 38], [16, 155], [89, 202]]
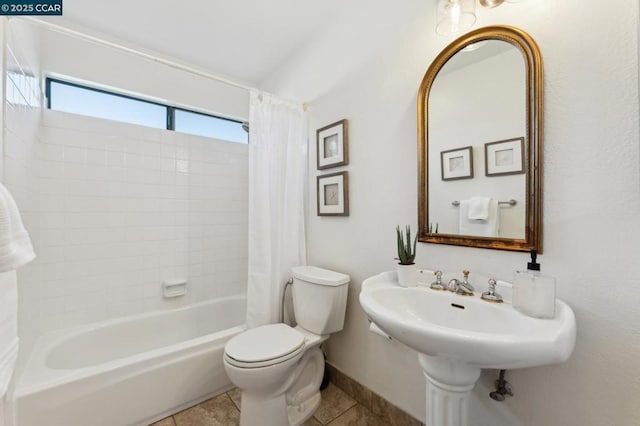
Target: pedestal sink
[[457, 336]]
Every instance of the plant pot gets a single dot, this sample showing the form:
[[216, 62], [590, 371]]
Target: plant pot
[[407, 275]]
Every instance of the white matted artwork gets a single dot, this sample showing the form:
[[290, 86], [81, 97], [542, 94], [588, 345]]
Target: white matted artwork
[[333, 145], [504, 157], [333, 194], [457, 163]]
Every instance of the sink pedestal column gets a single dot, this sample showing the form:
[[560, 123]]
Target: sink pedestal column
[[449, 385]]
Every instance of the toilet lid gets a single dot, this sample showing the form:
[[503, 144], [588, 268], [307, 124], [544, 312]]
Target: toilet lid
[[264, 343]]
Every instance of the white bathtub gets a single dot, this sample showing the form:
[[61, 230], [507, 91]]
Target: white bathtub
[[129, 371]]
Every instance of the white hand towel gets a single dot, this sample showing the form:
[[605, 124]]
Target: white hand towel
[[478, 227], [479, 208], [15, 245]]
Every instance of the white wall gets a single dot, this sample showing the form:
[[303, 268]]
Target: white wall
[[380, 53], [117, 209], [68, 56]]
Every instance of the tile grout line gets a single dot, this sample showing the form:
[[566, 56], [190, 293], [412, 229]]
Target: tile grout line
[[344, 413], [232, 401], [341, 413]]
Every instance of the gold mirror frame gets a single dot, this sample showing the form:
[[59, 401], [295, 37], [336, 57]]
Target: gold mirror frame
[[533, 167]]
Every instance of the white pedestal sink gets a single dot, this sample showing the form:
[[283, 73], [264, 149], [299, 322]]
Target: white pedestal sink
[[457, 336]]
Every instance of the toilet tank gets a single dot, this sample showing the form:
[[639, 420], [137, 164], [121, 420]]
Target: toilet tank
[[319, 299]]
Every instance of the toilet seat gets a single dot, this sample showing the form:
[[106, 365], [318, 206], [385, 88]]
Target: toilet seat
[[264, 346]]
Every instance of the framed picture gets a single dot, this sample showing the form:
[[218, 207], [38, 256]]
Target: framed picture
[[333, 194], [457, 163], [333, 145], [504, 157]]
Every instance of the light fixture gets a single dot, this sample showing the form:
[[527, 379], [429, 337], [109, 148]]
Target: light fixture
[[491, 3], [455, 16]]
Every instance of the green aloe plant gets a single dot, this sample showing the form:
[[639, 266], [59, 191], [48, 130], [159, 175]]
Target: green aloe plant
[[406, 253]]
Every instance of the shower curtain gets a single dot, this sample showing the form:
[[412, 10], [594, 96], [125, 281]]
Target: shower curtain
[[277, 182]]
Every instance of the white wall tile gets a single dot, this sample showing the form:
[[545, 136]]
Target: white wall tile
[[120, 212], [96, 157], [115, 216], [74, 154], [115, 209]]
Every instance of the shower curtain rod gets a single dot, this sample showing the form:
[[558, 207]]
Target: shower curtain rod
[[177, 65]]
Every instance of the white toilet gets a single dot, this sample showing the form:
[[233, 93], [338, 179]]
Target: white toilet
[[278, 368]]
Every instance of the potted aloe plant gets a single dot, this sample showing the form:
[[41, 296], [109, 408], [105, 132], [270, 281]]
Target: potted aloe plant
[[407, 271]]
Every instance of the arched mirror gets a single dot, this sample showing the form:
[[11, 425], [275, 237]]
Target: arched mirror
[[480, 143]]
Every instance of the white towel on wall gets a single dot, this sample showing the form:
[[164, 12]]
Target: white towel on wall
[[479, 208], [15, 245], [489, 227]]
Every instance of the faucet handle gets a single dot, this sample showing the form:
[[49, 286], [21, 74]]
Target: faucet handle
[[491, 295], [466, 275], [492, 285], [437, 284]]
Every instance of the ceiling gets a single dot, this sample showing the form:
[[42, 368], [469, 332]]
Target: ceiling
[[242, 39]]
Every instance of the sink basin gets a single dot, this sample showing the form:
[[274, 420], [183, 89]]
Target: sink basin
[[467, 328], [456, 336]]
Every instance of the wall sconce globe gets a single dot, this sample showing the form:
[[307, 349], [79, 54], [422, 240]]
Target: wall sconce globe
[[455, 16]]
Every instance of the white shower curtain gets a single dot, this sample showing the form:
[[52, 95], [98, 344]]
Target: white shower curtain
[[277, 181]]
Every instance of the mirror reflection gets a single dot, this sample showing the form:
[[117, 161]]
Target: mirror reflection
[[477, 143]]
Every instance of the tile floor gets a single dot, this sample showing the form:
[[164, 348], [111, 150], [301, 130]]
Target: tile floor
[[336, 409]]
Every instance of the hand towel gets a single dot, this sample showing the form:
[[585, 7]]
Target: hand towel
[[479, 227], [479, 208], [15, 245]]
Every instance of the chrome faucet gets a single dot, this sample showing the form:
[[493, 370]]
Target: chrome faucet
[[461, 287]]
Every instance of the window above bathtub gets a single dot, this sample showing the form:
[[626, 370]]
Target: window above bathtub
[[82, 99]]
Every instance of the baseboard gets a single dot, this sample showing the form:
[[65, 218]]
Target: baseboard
[[379, 406]]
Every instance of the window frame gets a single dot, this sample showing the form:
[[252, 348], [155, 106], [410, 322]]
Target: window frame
[[170, 109]]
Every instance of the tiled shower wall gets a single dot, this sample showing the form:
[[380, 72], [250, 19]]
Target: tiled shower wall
[[113, 209], [123, 208]]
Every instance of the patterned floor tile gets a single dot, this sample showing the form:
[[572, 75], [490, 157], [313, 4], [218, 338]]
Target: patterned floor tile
[[334, 402], [358, 415]]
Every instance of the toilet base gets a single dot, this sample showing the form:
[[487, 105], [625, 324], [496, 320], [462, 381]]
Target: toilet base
[[258, 410], [293, 402], [300, 413], [274, 412]]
